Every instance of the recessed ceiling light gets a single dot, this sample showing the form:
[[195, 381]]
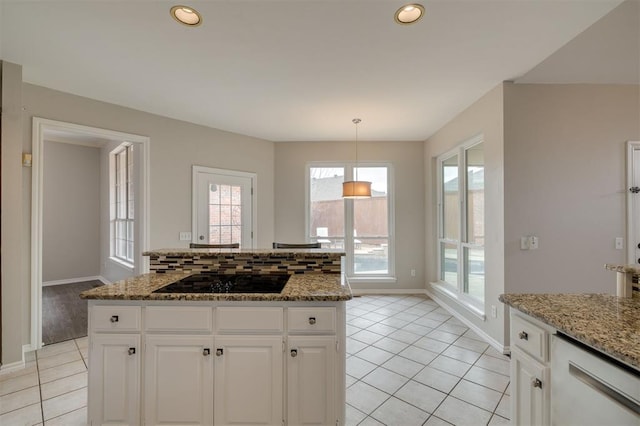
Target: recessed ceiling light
[[409, 13], [186, 15]]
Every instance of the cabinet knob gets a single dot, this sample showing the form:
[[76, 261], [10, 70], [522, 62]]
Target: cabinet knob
[[523, 335], [114, 318], [219, 352], [294, 353], [312, 320], [131, 351], [537, 383], [206, 352]]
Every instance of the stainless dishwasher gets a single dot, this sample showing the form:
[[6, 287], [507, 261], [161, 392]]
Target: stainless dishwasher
[[589, 388]]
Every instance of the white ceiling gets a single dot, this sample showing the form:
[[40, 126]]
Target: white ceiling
[[296, 70]]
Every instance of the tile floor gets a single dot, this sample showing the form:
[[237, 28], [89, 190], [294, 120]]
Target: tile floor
[[409, 362]]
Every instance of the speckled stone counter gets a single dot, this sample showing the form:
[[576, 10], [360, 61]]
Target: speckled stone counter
[[300, 287], [608, 323]]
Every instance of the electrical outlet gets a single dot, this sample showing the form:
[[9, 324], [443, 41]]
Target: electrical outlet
[[413, 272], [619, 243], [185, 236], [533, 243], [494, 311]]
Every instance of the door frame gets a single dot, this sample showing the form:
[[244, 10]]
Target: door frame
[[225, 172], [39, 127], [632, 227]]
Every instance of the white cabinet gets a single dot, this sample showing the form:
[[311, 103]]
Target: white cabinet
[[178, 384], [311, 380], [114, 379], [530, 397], [249, 380]]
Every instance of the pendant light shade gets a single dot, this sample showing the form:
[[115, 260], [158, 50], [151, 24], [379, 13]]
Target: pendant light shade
[[356, 188]]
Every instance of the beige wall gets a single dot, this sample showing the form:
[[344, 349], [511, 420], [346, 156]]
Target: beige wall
[[175, 146], [565, 183], [71, 207], [291, 159], [484, 117]]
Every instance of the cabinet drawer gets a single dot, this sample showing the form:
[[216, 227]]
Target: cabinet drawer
[[249, 319], [312, 320], [115, 318], [530, 338], [179, 318]]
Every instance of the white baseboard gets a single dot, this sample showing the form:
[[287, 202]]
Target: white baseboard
[[76, 280], [7, 368], [363, 291], [490, 340]]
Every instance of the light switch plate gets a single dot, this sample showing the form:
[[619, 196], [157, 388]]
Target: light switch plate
[[619, 243], [185, 236]]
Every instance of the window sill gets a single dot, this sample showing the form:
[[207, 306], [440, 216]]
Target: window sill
[[123, 264], [473, 307], [381, 280]]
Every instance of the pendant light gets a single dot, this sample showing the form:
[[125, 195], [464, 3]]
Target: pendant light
[[356, 188]]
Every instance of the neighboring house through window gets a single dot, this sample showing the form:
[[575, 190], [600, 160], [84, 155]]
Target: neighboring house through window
[[461, 235], [122, 204], [361, 227]]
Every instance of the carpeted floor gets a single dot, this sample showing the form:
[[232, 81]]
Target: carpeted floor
[[64, 314]]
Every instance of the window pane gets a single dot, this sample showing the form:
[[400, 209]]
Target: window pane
[[475, 194], [451, 199], [474, 272], [449, 266], [326, 216], [370, 224]]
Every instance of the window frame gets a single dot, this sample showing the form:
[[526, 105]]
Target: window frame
[[114, 193], [457, 290], [348, 167]]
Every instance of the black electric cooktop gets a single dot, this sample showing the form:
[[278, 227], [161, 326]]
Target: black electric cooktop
[[220, 283]]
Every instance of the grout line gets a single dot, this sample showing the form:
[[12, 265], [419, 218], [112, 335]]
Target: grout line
[[39, 387]]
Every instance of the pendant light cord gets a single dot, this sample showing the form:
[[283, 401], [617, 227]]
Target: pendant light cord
[[356, 121]]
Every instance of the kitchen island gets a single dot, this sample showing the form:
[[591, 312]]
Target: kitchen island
[[220, 358], [575, 358]]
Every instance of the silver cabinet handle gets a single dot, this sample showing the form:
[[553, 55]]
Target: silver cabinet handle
[[312, 320], [206, 352], [537, 383], [603, 388], [131, 351], [523, 335], [219, 352], [114, 318], [294, 353]]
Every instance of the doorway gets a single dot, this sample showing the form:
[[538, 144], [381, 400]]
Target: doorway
[[223, 206], [47, 131]]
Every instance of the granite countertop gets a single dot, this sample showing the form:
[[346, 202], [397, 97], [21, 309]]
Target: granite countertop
[[187, 252], [300, 287], [632, 269], [608, 323]]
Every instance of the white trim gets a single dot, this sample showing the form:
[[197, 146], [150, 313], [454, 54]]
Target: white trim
[[39, 127], [490, 340], [372, 279], [468, 305], [14, 366], [365, 291], [224, 172], [103, 280], [122, 263], [632, 176]]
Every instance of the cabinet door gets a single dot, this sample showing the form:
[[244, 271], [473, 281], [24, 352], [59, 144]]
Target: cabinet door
[[530, 399], [248, 384], [178, 381], [114, 377], [311, 380]]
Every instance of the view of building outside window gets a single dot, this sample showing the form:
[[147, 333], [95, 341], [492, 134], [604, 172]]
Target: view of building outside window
[[370, 233], [122, 203], [225, 214]]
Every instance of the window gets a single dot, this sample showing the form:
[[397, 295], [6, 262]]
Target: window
[[122, 204], [461, 220], [361, 227]]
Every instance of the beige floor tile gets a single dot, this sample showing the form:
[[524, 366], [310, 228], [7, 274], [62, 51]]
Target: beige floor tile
[[61, 371], [443, 336], [477, 395], [425, 398], [494, 364], [461, 354], [420, 355], [64, 385], [57, 348], [29, 368], [385, 380], [374, 355], [63, 404], [28, 416], [74, 418], [461, 413], [353, 416], [436, 421], [370, 421], [497, 420], [488, 378], [504, 408], [450, 365], [358, 367], [82, 342], [471, 344], [403, 366], [58, 359], [18, 383], [390, 345], [19, 399], [365, 398], [396, 412], [437, 379]]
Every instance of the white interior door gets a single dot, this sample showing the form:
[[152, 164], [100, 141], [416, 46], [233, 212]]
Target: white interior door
[[223, 207]]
